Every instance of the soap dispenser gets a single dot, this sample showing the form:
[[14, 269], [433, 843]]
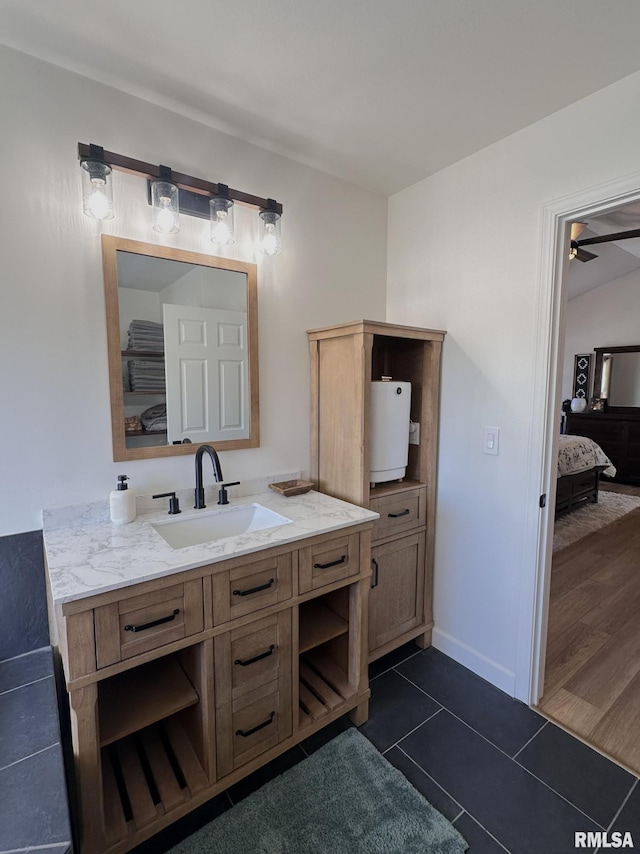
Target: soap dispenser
[[122, 502]]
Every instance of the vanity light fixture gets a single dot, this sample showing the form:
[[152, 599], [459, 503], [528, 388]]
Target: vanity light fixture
[[271, 237], [174, 193], [164, 203], [97, 190], [221, 207]]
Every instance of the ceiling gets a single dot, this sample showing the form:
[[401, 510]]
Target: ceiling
[[613, 259], [379, 92]]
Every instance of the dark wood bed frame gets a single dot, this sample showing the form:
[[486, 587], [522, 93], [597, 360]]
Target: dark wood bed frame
[[574, 490]]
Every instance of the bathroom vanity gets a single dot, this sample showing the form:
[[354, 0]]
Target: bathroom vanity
[[188, 668]]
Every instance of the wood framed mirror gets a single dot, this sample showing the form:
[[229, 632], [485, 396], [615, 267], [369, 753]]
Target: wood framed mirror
[[182, 337]]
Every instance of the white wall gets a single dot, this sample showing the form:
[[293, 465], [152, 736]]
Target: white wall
[[136, 305], [603, 317], [464, 255], [55, 438], [208, 287]]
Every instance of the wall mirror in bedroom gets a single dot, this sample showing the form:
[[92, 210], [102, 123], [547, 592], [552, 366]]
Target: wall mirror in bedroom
[[617, 376], [182, 336]]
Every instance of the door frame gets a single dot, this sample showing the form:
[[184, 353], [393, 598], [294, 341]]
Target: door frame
[[549, 351]]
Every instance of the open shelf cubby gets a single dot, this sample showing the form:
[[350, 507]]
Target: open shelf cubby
[[323, 665], [319, 623], [136, 698], [146, 775], [324, 686], [152, 754]]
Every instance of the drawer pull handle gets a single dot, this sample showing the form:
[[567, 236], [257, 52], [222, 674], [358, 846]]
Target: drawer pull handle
[[154, 623], [401, 513], [333, 563], [374, 578], [254, 589], [256, 657], [246, 732]]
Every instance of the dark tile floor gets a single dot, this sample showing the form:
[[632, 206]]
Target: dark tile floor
[[507, 778], [34, 812]]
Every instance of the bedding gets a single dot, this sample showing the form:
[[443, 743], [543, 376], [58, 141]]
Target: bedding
[[578, 454]]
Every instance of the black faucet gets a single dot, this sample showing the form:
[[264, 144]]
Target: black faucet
[[217, 473]]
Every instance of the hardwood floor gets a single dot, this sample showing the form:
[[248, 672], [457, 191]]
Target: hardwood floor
[[592, 678]]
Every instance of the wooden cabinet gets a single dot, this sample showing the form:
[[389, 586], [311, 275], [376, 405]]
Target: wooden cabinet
[[345, 359], [397, 599], [618, 434], [229, 666]]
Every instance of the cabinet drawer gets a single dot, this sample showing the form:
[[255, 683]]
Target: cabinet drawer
[[329, 561], [399, 512], [251, 656], [250, 587], [253, 724], [141, 623]]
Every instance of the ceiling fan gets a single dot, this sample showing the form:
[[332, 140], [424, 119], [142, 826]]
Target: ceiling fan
[[576, 250]]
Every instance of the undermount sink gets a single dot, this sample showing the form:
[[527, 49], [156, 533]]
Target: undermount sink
[[218, 525]]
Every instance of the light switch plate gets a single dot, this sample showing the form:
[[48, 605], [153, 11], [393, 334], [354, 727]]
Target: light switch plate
[[491, 444]]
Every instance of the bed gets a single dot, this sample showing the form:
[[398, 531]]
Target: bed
[[581, 462]]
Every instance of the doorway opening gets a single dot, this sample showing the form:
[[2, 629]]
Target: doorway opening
[[584, 673]]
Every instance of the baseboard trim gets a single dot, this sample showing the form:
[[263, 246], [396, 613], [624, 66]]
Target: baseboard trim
[[475, 661]]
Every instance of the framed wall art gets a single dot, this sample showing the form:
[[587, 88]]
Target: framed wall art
[[582, 369]]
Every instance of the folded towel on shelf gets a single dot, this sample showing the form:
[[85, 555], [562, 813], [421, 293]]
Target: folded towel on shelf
[[145, 326], [146, 335], [146, 375], [155, 417]]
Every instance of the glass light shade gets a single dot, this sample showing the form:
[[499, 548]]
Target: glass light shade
[[271, 237], [165, 207], [221, 215], [97, 190]]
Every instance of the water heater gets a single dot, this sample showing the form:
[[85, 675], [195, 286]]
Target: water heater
[[390, 418]]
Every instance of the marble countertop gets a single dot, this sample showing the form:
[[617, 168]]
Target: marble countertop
[[92, 557]]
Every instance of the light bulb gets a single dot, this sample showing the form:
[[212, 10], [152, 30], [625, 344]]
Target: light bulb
[[97, 199], [221, 212], [271, 240], [98, 202], [166, 217], [165, 208]]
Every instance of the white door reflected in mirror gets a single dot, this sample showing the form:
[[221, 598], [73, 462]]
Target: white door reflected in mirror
[[207, 372]]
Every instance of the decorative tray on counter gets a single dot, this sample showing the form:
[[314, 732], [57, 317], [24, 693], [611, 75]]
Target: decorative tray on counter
[[291, 487]]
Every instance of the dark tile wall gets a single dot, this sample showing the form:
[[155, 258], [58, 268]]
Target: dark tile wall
[[23, 626], [34, 810]]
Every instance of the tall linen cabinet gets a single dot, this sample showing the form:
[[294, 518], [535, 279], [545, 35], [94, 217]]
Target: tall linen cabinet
[[344, 361]]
